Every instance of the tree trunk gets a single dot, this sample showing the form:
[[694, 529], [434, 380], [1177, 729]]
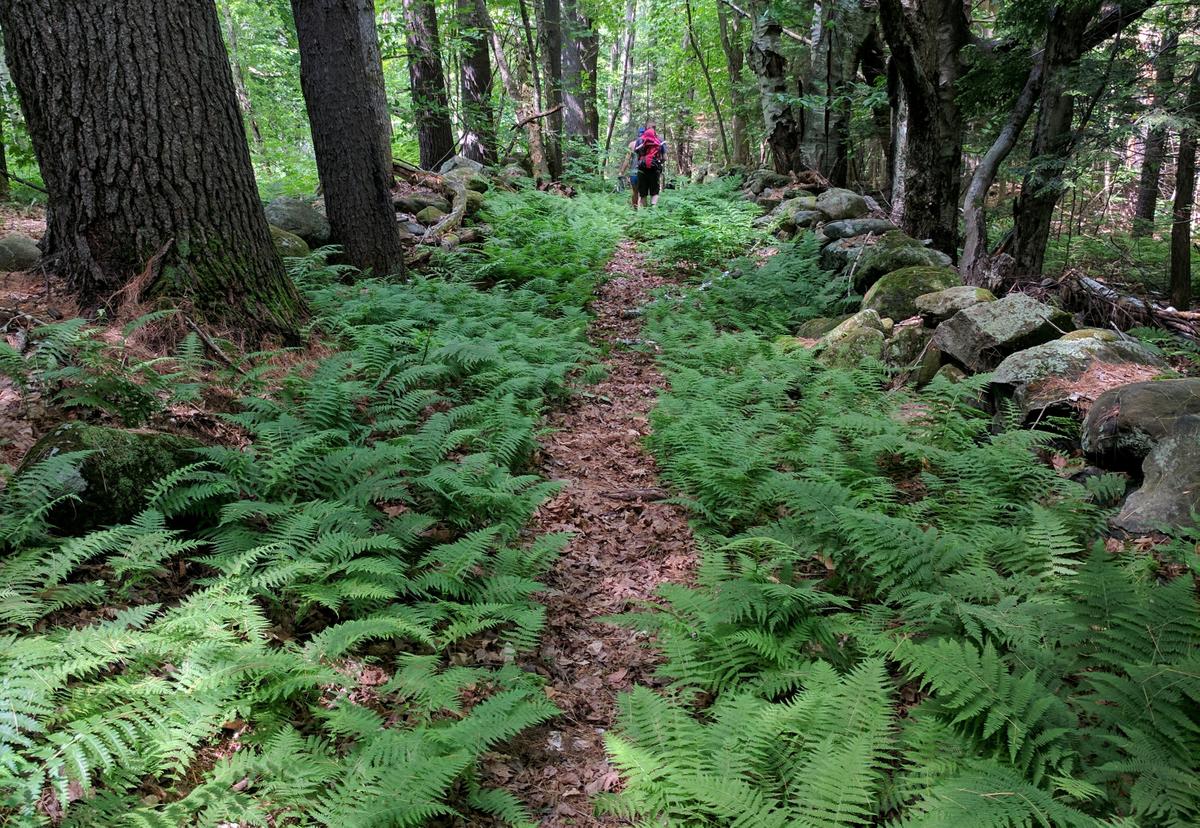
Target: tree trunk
[[926, 42], [1185, 199], [239, 80], [5, 186], [431, 108], [345, 99], [139, 182], [1156, 138], [524, 98], [573, 94], [712, 95], [624, 95], [781, 119], [1052, 140], [551, 36], [589, 47], [475, 83], [731, 44]]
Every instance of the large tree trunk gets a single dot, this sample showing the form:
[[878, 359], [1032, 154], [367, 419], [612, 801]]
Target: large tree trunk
[[1156, 138], [731, 44], [5, 187], [1185, 199], [573, 94], [134, 119], [342, 83], [475, 76], [781, 119], [927, 42], [589, 48], [1052, 140], [431, 109], [551, 37]]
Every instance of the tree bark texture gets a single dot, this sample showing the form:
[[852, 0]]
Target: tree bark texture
[[735, 58], [135, 123], [927, 40], [712, 95], [431, 108], [342, 84], [781, 120], [1185, 199], [475, 83], [573, 82], [1156, 138], [625, 93], [525, 101], [552, 42]]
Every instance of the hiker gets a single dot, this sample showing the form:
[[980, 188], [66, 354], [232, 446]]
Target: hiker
[[650, 151], [631, 164]]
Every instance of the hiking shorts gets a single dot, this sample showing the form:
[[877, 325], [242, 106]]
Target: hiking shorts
[[649, 182], [633, 176]]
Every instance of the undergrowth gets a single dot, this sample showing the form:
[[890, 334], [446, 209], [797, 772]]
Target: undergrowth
[[900, 618], [272, 639]]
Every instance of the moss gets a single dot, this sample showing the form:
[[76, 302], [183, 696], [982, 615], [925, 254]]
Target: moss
[[892, 252], [817, 328], [895, 294], [112, 480]]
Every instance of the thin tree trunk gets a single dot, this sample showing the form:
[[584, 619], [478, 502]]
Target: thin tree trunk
[[343, 93], [239, 80], [160, 183], [431, 107], [627, 65], [589, 47], [552, 53], [5, 186], [1185, 199], [780, 118], [712, 95], [523, 97], [475, 83], [1156, 139], [573, 81], [731, 44]]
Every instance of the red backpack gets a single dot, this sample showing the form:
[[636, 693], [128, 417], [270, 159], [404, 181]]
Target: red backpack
[[649, 151]]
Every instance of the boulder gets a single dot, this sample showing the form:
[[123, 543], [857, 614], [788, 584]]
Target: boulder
[[935, 308], [430, 215], [413, 228], [806, 218], [461, 162], [981, 336], [769, 201], [894, 251], [909, 349], [895, 293], [474, 202], [841, 204], [470, 178], [1170, 489], [299, 217], [848, 228], [859, 337], [413, 203], [1064, 376], [1123, 424], [760, 180], [111, 481], [1103, 334], [841, 254], [951, 373], [288, 245], [513, 174], [817, 328], [18, 252]]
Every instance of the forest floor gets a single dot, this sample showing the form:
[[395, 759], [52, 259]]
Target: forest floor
[[626, 542]]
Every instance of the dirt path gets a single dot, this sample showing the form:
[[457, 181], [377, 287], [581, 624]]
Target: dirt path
[[625, 545]]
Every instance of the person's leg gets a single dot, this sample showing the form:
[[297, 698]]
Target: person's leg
[[633, 189], [656, 187], [645, 179]]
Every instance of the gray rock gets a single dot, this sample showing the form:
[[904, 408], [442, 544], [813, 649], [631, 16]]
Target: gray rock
[[848, 228], [414, 228], [474, 202], [909, 349], [461, 162], [111, 482], [1170, 490], [841, 204], [299, 217], [951, 373], [18, 252], [981, 336], [939, 306], [471, 179], [288, 245], [841, 254], [769, 201], [858, 338], [895, 293], [760, 180], [817, 328], [1058, 376], [894, 251], [807, 218], [513, 174], [430, 216], [1123, 424], [413, 203]]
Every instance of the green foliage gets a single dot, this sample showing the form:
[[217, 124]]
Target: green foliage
[[929, 580], [700, 227], [271, 640]]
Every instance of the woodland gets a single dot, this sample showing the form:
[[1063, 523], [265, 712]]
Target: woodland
[[664, 413]]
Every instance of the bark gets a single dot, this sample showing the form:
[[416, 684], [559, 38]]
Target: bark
[[625, 94], [573, 93], [431, 108], [1185, 199], [731, 44], [475, 83], [5, 186], [342, 84], [239, 80], [781, 120], [589, 47], [525, 102], [551, 37], [134, 120], [927, 41], [1156, 138], [712, 95]]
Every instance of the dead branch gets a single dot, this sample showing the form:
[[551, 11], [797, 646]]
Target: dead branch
[[212, 346], [458, 190], [528, 119], [1100, 302], [20, 180]]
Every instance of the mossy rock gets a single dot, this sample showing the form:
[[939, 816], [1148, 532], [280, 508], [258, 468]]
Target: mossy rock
[[430, 216], [288, 245], [981, 336], [1102, 334], [474, 202], [895, 293], [473, 180], [18, 252], [842, 204], [817, 328], [859, 337], [935, 308], [299, 217], [112, 480], [1125, 423], [891, 252]]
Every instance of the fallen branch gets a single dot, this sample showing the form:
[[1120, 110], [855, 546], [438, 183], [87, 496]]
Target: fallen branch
[[1099, 301], [524, 122], [458, 209], [654, 493], [20, 180], [212, 346]]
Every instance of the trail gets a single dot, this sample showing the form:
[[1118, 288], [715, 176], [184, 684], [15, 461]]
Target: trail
[[625, 545]]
